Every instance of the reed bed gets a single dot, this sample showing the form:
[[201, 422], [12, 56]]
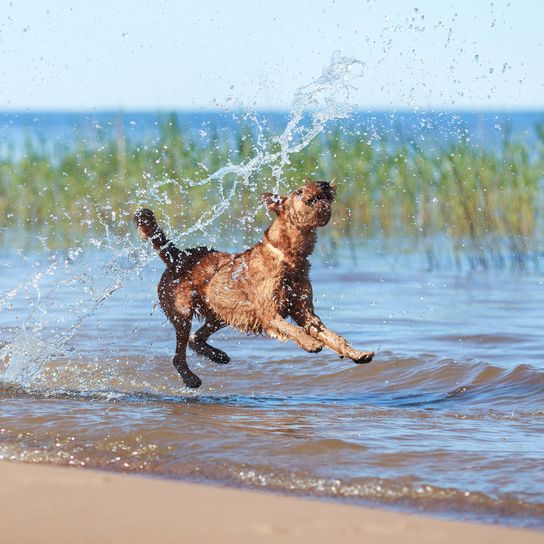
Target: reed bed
[[473, 196]]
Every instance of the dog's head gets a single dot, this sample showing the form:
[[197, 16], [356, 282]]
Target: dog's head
[[308, 207]]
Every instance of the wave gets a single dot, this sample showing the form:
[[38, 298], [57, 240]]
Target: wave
[[428, 382], [390, 383]]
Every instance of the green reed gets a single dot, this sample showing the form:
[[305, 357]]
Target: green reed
[[472, 195]]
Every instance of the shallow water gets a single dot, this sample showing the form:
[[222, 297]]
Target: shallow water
[[449, 418]]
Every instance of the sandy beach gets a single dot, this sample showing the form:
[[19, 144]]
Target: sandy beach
[[51, 504]]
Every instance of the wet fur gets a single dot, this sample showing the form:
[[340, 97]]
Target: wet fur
[[254, 291]]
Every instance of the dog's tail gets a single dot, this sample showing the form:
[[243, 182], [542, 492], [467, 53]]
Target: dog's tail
[[150, 230]]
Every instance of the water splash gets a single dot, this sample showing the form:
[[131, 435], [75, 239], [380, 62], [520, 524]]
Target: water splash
[[325, 99], [96, 280]]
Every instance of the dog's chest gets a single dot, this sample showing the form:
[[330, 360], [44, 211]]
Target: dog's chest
[[284, 292]]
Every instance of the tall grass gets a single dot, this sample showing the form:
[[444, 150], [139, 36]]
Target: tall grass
[[472, 195]]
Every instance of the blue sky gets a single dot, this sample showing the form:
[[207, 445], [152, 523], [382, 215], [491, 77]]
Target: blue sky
[[170, 54]]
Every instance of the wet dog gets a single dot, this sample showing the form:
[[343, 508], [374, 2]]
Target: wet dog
[[254, 291]]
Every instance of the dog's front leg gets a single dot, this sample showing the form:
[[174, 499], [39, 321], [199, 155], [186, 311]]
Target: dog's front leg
[[312, 324], [302, 311], [281, 329], [337, 343]]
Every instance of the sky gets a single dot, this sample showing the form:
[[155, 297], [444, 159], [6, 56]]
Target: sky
[[205, 55]]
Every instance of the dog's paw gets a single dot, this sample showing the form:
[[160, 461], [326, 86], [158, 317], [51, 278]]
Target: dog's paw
[[361, 357], [312, 346], [214, 354], [192, 380], [220, 357]]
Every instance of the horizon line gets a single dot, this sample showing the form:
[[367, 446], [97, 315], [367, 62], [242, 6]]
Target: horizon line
[[280, 111]]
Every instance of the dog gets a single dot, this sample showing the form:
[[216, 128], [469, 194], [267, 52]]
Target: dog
[[254, 291]]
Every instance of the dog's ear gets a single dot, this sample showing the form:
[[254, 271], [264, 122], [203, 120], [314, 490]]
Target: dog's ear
[[273, 202], [307, 180]]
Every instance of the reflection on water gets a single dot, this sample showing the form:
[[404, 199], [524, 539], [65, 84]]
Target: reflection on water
[[447, 419]]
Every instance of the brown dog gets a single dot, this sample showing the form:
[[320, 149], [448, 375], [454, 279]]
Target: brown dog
[[254, 291]]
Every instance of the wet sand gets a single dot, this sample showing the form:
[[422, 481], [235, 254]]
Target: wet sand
[[50, 504]]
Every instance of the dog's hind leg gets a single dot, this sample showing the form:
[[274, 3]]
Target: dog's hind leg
[[182, 324], [198, 343], [176, 301]]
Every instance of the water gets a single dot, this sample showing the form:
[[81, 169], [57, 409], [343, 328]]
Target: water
[[59, 129], [447, 419]]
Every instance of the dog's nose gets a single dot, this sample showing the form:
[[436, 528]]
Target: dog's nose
[[324, 185]]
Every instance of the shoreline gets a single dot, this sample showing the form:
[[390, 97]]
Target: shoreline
[[44, 503]]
